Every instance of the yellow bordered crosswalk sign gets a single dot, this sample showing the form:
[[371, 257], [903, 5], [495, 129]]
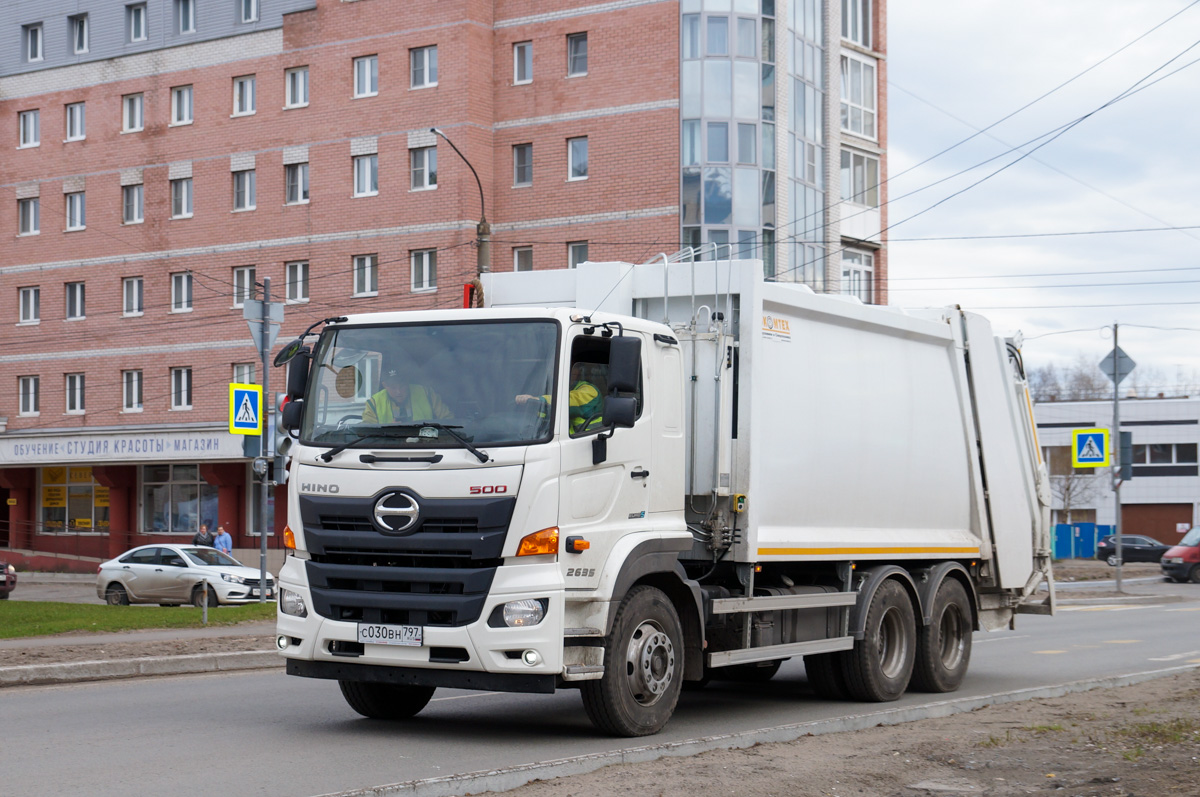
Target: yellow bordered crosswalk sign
[[1090, 448], [245, 409]]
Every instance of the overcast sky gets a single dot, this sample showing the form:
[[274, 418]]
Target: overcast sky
[[956, 67]]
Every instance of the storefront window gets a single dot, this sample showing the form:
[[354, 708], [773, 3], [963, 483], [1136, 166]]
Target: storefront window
[[72, 501], [175, 500]]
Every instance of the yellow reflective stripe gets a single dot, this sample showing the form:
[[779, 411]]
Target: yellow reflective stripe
[[864, 551]]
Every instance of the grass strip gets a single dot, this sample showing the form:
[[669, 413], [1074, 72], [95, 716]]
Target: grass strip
[[44, 618]]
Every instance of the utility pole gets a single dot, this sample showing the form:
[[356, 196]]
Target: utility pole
[[1113, 441], [483, 230], [267, 442]]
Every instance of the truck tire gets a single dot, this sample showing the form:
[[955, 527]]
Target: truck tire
[[643, 667], [944, 646], [827, 675], [386, 701], [880, 665]]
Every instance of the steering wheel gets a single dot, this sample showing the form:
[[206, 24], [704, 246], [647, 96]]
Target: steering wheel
[[343, 421]]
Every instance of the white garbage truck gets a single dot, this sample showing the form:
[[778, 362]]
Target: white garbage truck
[[625, 479]]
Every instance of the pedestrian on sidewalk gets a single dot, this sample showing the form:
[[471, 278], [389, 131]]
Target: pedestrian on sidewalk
[[203, 536], [223, 542]]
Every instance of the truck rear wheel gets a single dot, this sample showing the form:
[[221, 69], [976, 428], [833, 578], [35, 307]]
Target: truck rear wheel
[[827, 675], [643, 667], [944, 646], [880, 665], [386, 701]]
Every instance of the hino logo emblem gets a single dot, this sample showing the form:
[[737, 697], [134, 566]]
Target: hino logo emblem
[[319, 488], [396, 512]]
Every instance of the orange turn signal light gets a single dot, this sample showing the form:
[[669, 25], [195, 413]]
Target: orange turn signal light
[[289, 538], [540, 542]]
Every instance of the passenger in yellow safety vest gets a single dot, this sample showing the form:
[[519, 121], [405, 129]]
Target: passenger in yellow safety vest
[[585, 402], [401, 401]]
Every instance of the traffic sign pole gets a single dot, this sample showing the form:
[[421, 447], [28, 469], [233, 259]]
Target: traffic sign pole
[[1116, 377], [265, 350]]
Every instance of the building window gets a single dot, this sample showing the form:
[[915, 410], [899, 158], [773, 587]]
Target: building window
[[176, 500], [131, 201], [76, 404], [30, 300], [576, 54], [181, 198], [366, 275], [856, 21], [32, 35], [366, 175], [424, 270], [135, 15], [577, 252], [76, 121], [185, 16], [29, 213], [718, 142], [858, 96], [30, 125], [577, 158], [858, 269], [747, 144], [366, 76], [689, 34], [523, 164], [860, 178], [181, 388], [296, 87], [71, 500], [523, 258], [295, 181], [249, 10], [243, 190], [29, 388], [79, 34], [522, 63], [181, 105], [181, 292], [131, 391], [131, 292], [423, 61], [424, 168], [76, 211], [243, 285], [297, 281], [243, 373], [243, 95], [132, 119], [76, 294], [717, 40], [747, 38]]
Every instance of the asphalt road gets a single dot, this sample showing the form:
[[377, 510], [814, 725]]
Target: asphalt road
[[264, 733]]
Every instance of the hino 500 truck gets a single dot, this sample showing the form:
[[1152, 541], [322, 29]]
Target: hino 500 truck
[[621, 479]]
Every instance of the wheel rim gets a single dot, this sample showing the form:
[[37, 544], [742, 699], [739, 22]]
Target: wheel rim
[[893, 644], [114, 596], [953, 637], [649, 663]]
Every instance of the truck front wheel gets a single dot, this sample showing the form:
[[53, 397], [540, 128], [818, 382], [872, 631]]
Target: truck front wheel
[[386, 701], [643, 667], [944, 646], [880, 665]]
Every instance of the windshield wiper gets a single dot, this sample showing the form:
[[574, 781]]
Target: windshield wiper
[[378, 434], [480, 455], [400, 430]]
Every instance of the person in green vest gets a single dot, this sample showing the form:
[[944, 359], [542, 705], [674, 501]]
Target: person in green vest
[[403, 402], [585, 402]]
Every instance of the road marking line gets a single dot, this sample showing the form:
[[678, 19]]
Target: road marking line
[[1049, 652], [1178, 656], [1121, 641], [1001, 639], [1188, 609]]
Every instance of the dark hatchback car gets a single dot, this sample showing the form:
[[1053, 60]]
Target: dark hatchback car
[[8, 579], [1134, 548]]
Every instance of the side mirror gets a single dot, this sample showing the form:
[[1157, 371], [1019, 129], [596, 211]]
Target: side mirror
[[624, 365], [620, 411], [289, 351], [297, 377], [293, 413]]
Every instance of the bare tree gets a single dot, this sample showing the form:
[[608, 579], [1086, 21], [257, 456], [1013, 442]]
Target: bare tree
[[1073, 488]]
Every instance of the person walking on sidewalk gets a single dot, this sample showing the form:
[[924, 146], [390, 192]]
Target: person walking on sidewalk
[[203, 536], [223, 542]]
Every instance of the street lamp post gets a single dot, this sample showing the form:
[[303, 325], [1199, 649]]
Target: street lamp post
[[483, 231]]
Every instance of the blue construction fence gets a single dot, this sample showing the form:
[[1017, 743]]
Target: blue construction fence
[[1078, 540]]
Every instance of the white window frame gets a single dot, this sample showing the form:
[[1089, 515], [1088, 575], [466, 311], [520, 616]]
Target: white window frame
[[182, 105], [366, 76], [29, 124], [857, 16], [249, 10], [865, 87], [135, 19], [296, 285], [522, 63], [572, 158], [132, 297], [29, 388], [295, 183], [245, 103], [243, 373], [182, 198], [576, 53], [244, 190], [29, 216], [76, 394], [864, 191], [34, 43], [133, 117], [577, 252], [423, 163], [244, 285], [76, 210], [517, 149], [422, 62], [522, 258], [858, 274], [366, 275], [295, 87], [181, 388], [76, 118], [29, 302], [80, 40], [75, 295], [366, 175], [182, 284], [185, 16], [424, 270], [133, 212], [131, 391]]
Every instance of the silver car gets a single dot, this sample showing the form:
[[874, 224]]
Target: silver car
[[172, 575]]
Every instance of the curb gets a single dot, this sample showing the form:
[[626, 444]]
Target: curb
[[77, 671]]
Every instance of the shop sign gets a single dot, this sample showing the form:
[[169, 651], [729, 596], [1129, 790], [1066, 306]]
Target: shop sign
[[54, 496], [130, 447], [101, 495]]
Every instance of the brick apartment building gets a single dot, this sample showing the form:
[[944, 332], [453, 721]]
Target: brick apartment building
[[165, 156]]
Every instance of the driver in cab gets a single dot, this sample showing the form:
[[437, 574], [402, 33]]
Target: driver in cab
[[401, 401]]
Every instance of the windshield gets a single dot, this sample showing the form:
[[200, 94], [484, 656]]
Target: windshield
[[431, 385], [1192, 538], [210, 556]]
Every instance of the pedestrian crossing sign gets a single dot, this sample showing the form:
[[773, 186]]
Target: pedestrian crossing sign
[[245, 409], [1090, 448]]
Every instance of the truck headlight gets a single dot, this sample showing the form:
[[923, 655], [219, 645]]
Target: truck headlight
[[292, 603], [523, 613]]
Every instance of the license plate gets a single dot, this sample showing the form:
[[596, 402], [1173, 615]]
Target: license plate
[[378, 634], [254, 592]]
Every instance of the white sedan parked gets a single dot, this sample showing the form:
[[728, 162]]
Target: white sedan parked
[[176, 574]]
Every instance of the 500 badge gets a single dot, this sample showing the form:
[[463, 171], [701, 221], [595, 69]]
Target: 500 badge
[[489, 489]]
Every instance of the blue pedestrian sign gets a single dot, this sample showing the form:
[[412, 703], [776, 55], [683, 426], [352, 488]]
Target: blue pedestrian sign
[[245, 409], [1090, 448]]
